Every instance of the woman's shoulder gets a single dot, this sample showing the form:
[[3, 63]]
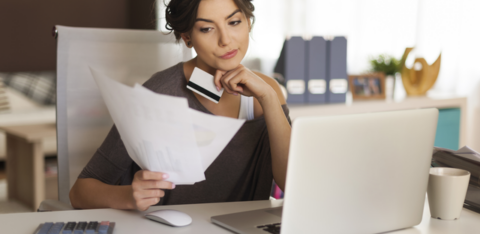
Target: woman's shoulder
[[168, 79]]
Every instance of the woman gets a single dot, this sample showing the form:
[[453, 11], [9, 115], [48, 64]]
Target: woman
[[218, 30]]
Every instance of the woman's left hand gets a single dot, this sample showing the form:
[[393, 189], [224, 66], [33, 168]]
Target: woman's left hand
[[242, 80]]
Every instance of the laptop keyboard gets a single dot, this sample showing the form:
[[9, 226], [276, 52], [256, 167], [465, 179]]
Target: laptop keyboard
[[271, 228]]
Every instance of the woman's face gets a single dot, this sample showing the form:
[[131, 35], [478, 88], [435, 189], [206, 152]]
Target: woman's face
[[220, 34]]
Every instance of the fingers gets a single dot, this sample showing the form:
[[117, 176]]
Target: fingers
[[231, 80], [147, 188], [155, 184], [148, 193], [142, 205], [150, 175], [151, 180], [220, 77], [227, 88], [236, 83], [217, 77], [146, 198]]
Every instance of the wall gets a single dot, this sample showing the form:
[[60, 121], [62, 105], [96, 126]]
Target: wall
[[26, 41]]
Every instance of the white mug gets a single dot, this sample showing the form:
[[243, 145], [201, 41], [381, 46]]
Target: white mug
[[446, 191]]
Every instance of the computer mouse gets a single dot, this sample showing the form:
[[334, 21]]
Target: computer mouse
[[173, 218]]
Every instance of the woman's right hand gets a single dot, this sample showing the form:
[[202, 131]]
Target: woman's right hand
[[147, 188]]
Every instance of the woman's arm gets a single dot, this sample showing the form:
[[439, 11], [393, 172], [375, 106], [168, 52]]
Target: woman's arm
[[145, 191], [279, 129], [89, 193], [267, 92]]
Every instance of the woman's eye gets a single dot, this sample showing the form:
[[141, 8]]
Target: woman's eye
[[205, 30], [235, 22]]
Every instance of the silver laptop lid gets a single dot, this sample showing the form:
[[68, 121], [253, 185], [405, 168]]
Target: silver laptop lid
[[365, 173]]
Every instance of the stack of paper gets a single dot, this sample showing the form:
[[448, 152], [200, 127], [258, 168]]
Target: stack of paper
[[161, 133]]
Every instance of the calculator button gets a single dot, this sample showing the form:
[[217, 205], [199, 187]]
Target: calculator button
[[111, 227], [45, 228], [103, 227], [69, 228], [91, 227], [56, 228], [80, 228]]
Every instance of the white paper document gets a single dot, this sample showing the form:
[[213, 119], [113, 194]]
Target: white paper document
[[161, 133]]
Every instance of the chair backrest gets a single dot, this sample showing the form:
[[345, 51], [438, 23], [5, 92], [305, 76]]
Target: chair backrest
[[4, 106], [83, 121]]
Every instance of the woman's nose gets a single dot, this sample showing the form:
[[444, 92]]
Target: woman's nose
[[225, 38]]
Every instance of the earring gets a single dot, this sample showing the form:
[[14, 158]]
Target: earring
[[189, 43]]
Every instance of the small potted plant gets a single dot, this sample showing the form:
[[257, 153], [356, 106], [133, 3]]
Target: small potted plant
[[387, 64]]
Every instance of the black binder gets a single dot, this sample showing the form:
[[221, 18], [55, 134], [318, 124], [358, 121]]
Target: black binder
[[337, 70], [316, 51], [291, 65]]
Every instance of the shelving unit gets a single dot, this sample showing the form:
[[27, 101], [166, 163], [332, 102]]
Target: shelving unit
[[451, 130]]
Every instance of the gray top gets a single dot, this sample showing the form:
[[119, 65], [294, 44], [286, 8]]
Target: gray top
[[242, 171]]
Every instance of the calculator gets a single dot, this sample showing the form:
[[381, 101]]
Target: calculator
[[93, 227]]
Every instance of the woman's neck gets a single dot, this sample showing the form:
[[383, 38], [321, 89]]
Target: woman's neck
[[204, 66]]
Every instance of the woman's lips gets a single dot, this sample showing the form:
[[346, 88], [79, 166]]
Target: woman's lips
[[229, 54]]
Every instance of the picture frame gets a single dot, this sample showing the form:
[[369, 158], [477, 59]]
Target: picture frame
[[367, 86]]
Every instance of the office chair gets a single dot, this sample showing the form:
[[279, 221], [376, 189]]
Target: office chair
[[83, 121], [4, 104]]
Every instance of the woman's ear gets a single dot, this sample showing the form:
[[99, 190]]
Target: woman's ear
[[187, 39]]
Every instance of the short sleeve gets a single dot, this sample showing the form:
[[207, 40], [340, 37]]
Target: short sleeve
[[111, 162]]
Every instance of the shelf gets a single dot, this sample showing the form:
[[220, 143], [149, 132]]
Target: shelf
[[451, 106]]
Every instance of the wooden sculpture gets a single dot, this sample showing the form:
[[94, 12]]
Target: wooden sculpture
[[418, 82]]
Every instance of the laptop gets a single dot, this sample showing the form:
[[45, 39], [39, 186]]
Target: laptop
[[363, 173]]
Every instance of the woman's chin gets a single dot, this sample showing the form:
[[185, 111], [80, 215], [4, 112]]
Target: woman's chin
[[227, 65]]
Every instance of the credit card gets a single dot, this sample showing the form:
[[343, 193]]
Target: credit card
[[202, 83]]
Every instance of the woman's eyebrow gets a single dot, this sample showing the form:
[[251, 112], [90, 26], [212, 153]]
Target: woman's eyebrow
[[201, 19], [211, 21], [235, 12]]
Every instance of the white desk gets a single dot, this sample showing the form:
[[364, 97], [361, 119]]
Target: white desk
[[25, 162], [34, 116], [133, 221]]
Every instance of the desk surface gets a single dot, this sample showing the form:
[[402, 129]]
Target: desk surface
[[134, 222], [45, 115], [31, 133]]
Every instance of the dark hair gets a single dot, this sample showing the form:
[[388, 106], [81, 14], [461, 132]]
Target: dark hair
[[181, 14]]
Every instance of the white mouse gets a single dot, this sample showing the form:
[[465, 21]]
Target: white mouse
[[170, 217]]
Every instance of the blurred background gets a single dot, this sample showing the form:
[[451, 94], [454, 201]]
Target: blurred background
[[372, 28], [375, 27]]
